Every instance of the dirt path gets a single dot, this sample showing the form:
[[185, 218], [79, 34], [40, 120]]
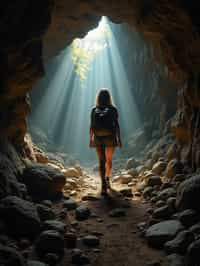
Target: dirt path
[[120, 240]]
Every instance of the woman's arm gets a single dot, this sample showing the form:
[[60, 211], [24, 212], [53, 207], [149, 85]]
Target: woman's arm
[[91, 132], [117, 128]]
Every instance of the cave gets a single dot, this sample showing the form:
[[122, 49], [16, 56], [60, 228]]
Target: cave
[[55, 57]]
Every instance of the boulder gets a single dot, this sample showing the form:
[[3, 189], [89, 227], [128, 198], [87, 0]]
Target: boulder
[[18, 213], [147, 192], [189, 217], [54, 225], [125, 179], [9, 256], [159, 167], [162, 232], [70, 204], [180, 243], [133, 172], [82, 213], [50, 241], [43, 181], [35, 263], [72, 172], [154, 181], [193, 253], [45, 213], [131, 163], [174, 167], [163, 212], [166, 193], [175, 260], [188, 194]]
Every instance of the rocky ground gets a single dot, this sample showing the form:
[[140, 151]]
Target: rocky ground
[[52, 214]]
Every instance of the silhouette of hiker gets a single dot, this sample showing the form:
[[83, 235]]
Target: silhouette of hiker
[[104, 134]]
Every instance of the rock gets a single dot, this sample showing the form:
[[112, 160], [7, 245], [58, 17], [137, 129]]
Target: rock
[[18, 213], [78, 258], [90, 197], [160, 203], [154, 263], [35, 263], [154, 181], [162, 232], [91, 241], [47, 203], [163, 212], [195, 229], [179, 178], [193, 253], [180, 243], [9, 256], [51, 259], [126, 192], [147, 192], [167, 193], [175, 260], [70, 240], [125, 179], [131, 163], [72, 172], [82, 213], [188, 194], [159, 167], [188, 217], [54, 225], [171, 203], [70, 204], [174, 167], [45, 213], [50, 242], [43, 181], [118, 212], [133, 172]]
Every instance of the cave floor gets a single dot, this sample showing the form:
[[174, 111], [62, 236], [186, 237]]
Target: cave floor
[[121, 243]]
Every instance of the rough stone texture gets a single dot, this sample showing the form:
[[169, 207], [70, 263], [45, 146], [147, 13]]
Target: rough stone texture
[[43, 181], [188, 194], [159, 167], [193, 253], [18, 213], [180, 243], [175, 260], [174, 167], [50, 242], [9, 256], [162, 232]]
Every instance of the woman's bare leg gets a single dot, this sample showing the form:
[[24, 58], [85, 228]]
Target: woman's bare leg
[[109, 154], [102, 160]]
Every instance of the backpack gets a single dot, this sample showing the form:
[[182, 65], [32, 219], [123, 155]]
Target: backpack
[[103, 121]]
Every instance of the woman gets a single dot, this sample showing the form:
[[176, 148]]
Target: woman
[[104, 134]]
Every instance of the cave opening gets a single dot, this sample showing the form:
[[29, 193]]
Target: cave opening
[[114, 56]]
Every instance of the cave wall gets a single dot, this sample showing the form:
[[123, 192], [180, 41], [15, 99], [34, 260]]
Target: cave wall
[[33, 31]]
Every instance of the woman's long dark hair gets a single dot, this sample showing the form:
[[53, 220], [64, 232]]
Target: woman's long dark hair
[[104, 98]]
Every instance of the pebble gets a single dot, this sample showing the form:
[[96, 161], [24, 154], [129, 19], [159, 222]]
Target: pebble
[[91, 240], [118, 212]]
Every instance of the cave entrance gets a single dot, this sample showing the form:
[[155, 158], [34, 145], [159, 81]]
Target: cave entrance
[[114, 56]]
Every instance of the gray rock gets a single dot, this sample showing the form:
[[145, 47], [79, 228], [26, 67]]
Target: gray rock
[[43, 181], [160, 203], [154, 181], [90, 197], [70, 204], [45, 213], [117, 212], [162, 232], [163, 212], [47, 203], [188, 217], [167, 193], [188, 194], [180, 243], [9, 256], [159, 167], [175, 260], [82, 213], [174, 167], [147, 192], [18, 213], [54, 225], [195, 229], [171, 203], [131, 163], [91, 240], [193, 253], [50, 241], [78, 258]]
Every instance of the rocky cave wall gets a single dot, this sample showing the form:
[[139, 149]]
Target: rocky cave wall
[[33, 31]]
